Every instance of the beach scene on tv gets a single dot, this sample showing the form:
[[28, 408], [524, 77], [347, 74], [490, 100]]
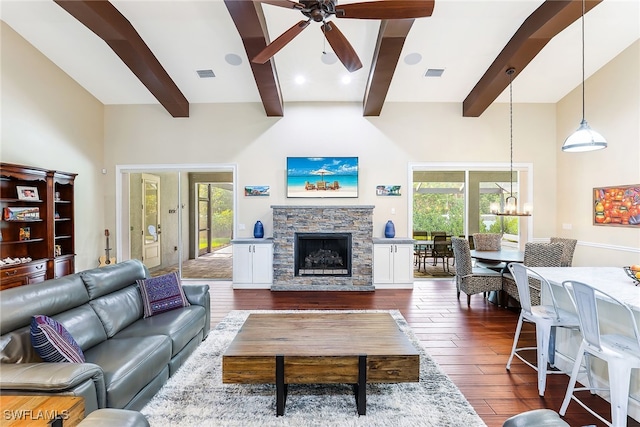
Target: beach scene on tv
[[322, 177]]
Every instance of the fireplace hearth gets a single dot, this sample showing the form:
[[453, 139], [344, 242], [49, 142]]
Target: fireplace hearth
[[322, 254]]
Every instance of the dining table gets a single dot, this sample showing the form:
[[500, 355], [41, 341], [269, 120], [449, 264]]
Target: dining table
[[506, 255], [614, 319]]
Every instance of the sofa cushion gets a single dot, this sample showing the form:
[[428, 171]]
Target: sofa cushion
[[129, 364], [179, 325], [53, 342], [84, 325], [119, 309], [48, 298], [162, 293], [104, 280]]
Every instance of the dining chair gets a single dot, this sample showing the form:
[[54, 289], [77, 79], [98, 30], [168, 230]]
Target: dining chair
[[469, 279], [621, 352], [442, 249], [420, 250], [535, 255], [546, 318], [568, 248], [488, 242]]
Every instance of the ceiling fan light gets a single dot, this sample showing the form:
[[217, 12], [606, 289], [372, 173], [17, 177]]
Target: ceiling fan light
[[584, 139]]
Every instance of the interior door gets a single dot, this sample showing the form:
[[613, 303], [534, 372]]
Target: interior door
[[151, 252]]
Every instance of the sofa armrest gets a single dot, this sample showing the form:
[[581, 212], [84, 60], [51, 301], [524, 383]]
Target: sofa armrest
[[52, 377], [199, 295]]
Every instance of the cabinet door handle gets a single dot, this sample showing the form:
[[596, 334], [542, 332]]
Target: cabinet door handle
[[396, 247], [39, 267], [11, 273]]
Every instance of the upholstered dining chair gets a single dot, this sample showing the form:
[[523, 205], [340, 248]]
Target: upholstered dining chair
[[469, 279], [620, 350], [568, 248], [535, 255], [545, 317]]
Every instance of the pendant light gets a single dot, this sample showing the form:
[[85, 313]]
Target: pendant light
[[584, 138], [511, 202]]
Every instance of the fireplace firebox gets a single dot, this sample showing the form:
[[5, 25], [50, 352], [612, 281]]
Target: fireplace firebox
[[322, 254]]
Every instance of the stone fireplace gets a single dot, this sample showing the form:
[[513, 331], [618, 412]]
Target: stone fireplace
[[310, 248]]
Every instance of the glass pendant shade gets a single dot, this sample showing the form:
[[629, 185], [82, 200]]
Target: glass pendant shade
[[584, 139]]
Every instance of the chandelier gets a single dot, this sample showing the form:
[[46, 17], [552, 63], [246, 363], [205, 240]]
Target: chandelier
[[511, 202]]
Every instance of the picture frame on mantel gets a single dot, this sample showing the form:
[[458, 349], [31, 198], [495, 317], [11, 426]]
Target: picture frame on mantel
[[322, 177], [617, 206]]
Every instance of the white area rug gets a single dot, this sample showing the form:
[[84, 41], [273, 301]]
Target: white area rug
[[195, 395]]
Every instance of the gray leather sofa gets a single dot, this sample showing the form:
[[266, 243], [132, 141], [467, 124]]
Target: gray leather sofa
[[128, 357]]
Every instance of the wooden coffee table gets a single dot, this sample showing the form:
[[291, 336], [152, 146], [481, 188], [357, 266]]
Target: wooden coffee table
[[320, 348]]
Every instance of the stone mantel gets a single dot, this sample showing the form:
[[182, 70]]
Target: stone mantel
[[354, 219]]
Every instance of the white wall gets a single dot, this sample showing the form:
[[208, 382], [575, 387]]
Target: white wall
[[49, 121], [612, 108], [241, 134]]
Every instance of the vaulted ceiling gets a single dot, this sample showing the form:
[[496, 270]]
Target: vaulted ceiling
[[150, 51]]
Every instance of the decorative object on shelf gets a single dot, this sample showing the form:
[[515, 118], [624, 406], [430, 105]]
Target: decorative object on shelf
[[617, 206], [314, 177], [633, 271], [387, 190], [27, 193], [256, 190], [21, 214], [57, 196], [511, 202], [57, 250], [584, 138], [24, 234], [389, 230], [258, 230]]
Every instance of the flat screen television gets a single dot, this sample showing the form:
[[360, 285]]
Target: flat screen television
[[314, 177]]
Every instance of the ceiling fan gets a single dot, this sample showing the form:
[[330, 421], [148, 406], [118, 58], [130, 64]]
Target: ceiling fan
[[320, 10]]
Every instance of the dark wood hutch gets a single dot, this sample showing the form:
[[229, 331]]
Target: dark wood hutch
[[35, 224]]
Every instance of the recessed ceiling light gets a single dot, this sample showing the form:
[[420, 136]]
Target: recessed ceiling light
[[346, 80], [329, 58], [233, 59], [205, 74], [434, 72], [300, 80], [412, 58]]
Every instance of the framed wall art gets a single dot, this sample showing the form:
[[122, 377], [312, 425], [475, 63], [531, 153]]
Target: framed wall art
[[617, 205], [256, 190], [314, 177], [388, 190]]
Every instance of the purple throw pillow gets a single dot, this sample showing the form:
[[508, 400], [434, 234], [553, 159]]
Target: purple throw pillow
[[53, 342], [162, 293]]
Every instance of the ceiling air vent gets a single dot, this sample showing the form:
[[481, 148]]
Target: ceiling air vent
[[205, 74], [434, 72]]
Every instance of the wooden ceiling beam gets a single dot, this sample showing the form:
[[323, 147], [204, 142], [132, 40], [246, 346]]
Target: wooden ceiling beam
[[250, 22], [391, 38], [101, 17], [542, 25]]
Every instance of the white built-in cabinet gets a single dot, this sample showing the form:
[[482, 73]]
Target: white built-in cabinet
[[252, 263], [393, 263]]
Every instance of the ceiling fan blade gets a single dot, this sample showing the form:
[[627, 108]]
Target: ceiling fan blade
[[288, 4], [390, 9], [341, 46], [275, 46]]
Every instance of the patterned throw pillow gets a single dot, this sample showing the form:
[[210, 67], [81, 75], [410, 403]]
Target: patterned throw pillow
[[162, 293], [53, 342]]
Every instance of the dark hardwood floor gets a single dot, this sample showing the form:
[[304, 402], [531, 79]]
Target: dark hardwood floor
[[472, 344]]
